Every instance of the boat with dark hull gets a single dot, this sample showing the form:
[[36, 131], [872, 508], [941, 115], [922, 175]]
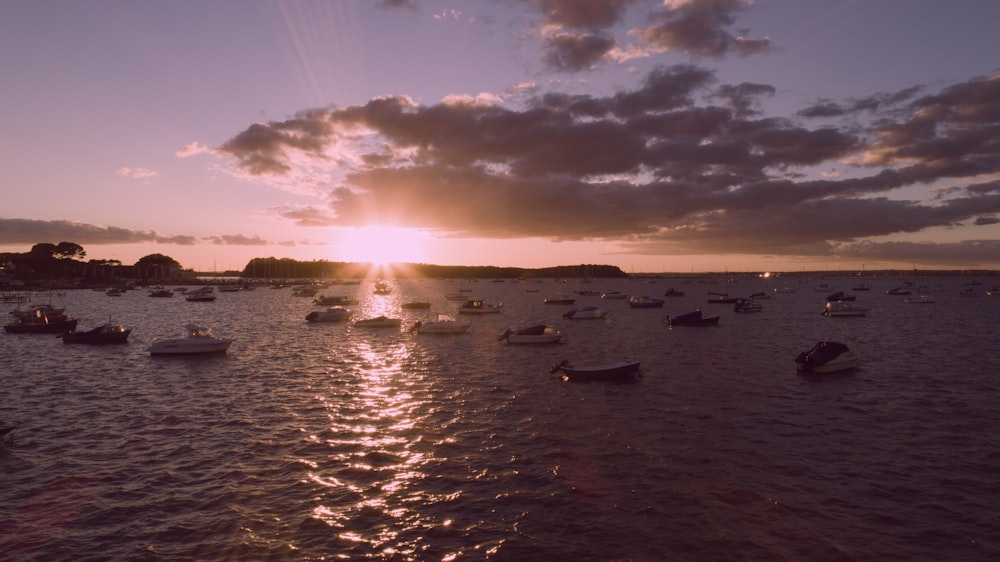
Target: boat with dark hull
[[622, 371], [541, 333], [40, 322], [827, 357], [693, 318], [105, 334], [747, 305], [643, 301]]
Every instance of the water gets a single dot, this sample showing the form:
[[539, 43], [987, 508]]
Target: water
[[328, 442]]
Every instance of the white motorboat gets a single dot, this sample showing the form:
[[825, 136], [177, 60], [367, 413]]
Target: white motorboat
[[203, 294], [332, 314], [379, 322], [827, 357], [541, 333], [198, 340], [844, 309], [445, 324]]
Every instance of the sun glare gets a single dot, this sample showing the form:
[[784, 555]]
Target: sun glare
[[383, 245]]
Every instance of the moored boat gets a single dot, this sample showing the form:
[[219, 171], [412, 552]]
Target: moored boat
[[747, 305], [198, 340], [643, 301], [827, 357], [40, 322], [620, 371], [102, 335], [479, 306], [560, 299], [332, 314], [839, 296], [445, 324], [586, 313], [379, 322], [844, 309], [540, 333], [382, 287], [693, 318], [202, 294], [334, 300], [721, 298]]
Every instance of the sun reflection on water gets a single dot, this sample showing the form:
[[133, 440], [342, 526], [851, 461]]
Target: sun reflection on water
[[375, 450]]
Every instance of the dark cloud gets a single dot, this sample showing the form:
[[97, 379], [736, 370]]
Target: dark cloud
[[592, 15], [264, 149], [571, 52], [700, 28], [828, 108], [396, 5], [30, 232], [235, 240], [578, 33], [966, 253], [660, 168]]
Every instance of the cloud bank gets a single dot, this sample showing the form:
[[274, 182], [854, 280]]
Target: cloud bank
[[682, 164]]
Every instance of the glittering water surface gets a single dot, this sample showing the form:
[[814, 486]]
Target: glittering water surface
[[331, 442]]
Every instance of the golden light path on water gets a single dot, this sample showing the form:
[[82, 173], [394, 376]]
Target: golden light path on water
[[378, 447]]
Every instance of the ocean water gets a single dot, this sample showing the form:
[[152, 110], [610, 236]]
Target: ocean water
[[329, 442]]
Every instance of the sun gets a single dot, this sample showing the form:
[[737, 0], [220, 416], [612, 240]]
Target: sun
[[383, 245]]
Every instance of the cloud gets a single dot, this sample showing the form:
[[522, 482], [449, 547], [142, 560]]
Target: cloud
[[192, 149], [397, 5], [679, 164], [700, 28], [575, 14], [577, 35], [575, 52], [135, 173], [32, 231], [235, 240]]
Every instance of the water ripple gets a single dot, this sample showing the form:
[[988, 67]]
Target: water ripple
[[315, 442]]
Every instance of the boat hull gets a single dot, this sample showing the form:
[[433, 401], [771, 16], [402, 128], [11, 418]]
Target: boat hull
[[184, 347], [51, 327], [379, 323], [622, 371], [99, 336], [694, 318], [827, 357], [589, 313]]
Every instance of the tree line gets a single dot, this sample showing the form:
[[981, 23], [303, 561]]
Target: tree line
[[66, 262], [46, 262]]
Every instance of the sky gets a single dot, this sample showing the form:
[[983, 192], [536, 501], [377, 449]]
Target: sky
[[658, 136]]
